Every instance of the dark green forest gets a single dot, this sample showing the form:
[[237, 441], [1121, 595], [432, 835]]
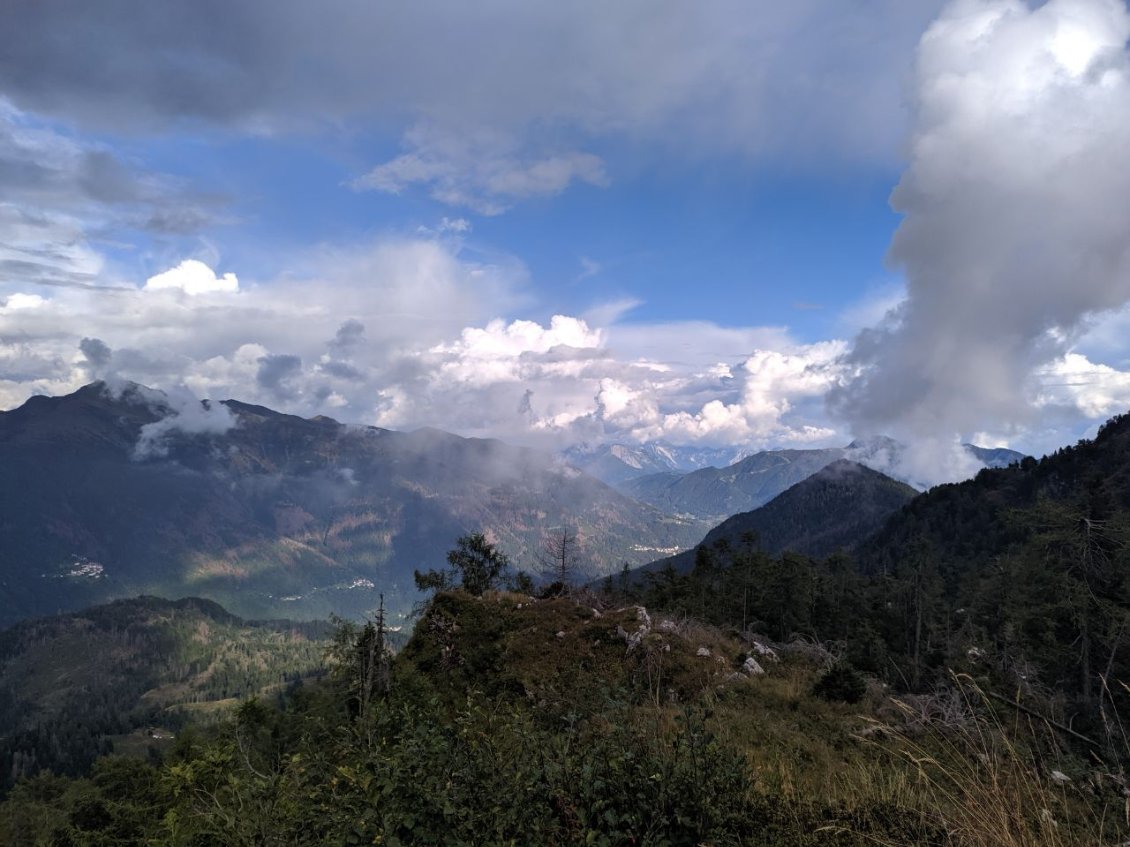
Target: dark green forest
[[133, 673]]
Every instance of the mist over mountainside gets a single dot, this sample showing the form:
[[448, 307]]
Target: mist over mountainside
[[970, 528], [716, 493], [617, 463], [834, 509], [110, 493], [1021, 571]]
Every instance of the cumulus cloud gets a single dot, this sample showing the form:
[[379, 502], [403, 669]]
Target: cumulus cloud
[[569, 383], [1015, 226], [193, 277], [19, 300], [402, 333], [409, 294], [404, 363], [768, 384], [1094, 389]]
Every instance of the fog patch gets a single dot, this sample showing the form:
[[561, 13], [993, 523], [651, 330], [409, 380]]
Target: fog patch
[[184, 415]]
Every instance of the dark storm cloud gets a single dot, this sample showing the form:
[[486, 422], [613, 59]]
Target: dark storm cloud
[[98, 356], [275, 370], [342, 370], [116, 61], [96, 351], [349, 334], [635, 66]]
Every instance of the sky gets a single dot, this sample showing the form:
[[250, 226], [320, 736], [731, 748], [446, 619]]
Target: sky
[[726, 223]]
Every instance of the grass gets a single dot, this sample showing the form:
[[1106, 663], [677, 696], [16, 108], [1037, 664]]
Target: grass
[[992, 781], [879, 772]]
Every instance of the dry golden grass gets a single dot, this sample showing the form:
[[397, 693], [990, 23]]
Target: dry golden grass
[[978, 775]]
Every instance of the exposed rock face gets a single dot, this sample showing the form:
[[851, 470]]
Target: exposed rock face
[[765, 652], [634, 639], [752, 668]]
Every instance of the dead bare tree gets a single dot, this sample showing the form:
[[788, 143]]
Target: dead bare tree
[[558, 557]]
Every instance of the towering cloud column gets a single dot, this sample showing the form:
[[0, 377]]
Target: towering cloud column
[[1017, 216]]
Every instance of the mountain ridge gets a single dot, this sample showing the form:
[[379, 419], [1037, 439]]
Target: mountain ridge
[[834, 509], [113, 493], [715, 493]]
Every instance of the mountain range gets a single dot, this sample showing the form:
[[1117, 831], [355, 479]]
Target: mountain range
[[115, 492], [834, 509], [1014, 580], [716, 493], [618, 463]]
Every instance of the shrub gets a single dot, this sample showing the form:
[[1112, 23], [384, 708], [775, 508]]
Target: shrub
[[843, 683]]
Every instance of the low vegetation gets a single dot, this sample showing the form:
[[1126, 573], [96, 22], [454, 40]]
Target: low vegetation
[[130, 675], [508, 719]]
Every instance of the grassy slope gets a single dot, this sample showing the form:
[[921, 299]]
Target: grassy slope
[[514, 720], [879, 769]]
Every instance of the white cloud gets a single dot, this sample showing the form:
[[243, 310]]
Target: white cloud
[[460, 226], [183, 414], [19, 300], [770, 383], [496, 352], [485, 172], [1015, 226], [404, 333], [404, 295], [193, 277], [1095, 390]]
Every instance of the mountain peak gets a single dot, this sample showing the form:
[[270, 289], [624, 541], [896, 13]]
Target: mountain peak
[[872, 443]]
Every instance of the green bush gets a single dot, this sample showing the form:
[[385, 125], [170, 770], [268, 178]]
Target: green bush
[[841, 682]]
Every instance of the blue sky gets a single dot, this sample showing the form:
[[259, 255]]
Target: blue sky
[[725, 240], [724, 224]]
